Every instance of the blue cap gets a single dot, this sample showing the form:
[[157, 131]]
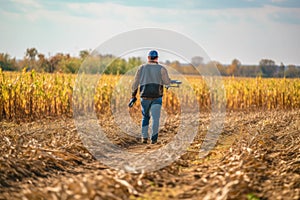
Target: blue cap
[[153, 54]]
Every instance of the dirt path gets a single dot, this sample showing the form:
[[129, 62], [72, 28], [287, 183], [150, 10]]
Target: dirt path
[[257, 156]]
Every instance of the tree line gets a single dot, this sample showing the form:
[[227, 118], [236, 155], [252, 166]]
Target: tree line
[[266, 68], [64, 63], [34, 60]]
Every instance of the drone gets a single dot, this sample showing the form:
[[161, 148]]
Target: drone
[[174, 83]]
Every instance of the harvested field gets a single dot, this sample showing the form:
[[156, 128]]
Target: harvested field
[[257, 157]]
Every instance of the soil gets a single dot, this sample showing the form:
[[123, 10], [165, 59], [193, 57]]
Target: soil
[[257, 156]]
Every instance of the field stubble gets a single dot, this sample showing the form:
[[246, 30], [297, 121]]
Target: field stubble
[[257, 155]]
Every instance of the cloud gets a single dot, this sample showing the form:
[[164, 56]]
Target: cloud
[[199, 4], [278, 1], [164, 12], [284, 15], [225, 29], [30, 3]]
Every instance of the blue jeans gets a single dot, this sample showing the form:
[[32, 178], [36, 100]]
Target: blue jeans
[[153, 107]]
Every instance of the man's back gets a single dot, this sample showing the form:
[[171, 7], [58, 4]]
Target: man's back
[[151, 73], [151, 77]]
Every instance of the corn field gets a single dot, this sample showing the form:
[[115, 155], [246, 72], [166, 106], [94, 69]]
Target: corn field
[[31, 95], [44, 156]]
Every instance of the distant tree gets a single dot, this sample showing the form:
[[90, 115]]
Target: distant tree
[[175, 65], [65, 63], [133, 62], [41, 56], [83, 54], [208, 69], [70, 65], [249, 71], [196, 61], [54, 63], [118, 66], [31, 53], [266, 62], [268, 67], [280, 72], [243, 71], [292, 71], [42, 63], [7, 63], [234, 67], [29, 60], [221, 68]]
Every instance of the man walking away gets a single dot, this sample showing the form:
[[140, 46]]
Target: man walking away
[[150, 77]]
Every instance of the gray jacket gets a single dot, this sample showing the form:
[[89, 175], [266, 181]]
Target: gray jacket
[[151, 77]]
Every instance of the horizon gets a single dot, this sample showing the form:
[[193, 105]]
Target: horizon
[[143, 59]]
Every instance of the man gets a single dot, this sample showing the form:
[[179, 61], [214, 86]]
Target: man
[[151, 77]]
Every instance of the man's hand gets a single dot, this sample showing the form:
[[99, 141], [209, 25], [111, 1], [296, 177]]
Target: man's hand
[[132, 101]]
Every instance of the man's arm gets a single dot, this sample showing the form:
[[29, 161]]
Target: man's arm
[[165, 76], [136, 83]]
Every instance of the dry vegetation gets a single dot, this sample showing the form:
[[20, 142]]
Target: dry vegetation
[[33, 95], [257, 155]]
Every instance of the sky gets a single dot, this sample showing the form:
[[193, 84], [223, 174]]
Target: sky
[[248, 30]]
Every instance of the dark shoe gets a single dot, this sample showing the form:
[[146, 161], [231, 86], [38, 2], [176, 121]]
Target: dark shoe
[[153, 141], [144, 140], [154, 138]]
